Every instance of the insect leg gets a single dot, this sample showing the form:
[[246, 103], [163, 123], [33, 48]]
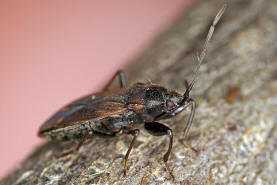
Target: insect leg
[[158, 129], [192, 103], [76, 148], [134, 133], [122, 80]]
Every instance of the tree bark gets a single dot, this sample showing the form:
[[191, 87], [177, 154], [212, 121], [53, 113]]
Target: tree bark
[[234, 129]]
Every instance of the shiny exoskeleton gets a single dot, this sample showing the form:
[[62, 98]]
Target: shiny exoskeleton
[[110, 112]]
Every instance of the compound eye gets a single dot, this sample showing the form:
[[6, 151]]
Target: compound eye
[[170, 104]]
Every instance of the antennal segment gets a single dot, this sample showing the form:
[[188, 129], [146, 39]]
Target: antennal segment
[[201, 56]]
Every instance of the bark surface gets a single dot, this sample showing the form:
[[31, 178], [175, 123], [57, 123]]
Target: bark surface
[[234, 129]]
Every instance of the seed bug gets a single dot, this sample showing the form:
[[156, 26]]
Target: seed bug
[[111, 112]]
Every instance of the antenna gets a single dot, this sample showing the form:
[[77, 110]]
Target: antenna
[[202, 54]]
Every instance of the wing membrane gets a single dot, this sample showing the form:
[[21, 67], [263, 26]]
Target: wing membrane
[[91, 107]]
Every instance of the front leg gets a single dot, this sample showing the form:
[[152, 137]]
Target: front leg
[[191, 103], [158, 129]]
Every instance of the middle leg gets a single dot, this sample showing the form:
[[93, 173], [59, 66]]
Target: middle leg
[[134, 133]]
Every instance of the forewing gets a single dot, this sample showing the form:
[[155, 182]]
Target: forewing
[[90, 107]]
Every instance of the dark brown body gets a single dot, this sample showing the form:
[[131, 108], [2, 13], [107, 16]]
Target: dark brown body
[[111, 111], [108, 112]]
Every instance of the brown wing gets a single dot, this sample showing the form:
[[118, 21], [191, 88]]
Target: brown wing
[[91, 107]]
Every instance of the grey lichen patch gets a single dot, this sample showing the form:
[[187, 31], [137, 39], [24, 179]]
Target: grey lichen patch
[[218, 173], [24, 177], [92, 173]]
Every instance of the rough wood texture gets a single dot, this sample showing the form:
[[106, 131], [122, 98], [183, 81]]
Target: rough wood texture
[[234, 128]]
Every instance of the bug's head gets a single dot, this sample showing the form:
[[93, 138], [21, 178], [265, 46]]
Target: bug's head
[[174, 103]]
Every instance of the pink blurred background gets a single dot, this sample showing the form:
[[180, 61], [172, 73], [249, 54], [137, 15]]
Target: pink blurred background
[[52, 52]]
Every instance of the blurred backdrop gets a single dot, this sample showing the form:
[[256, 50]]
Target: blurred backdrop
[[52, 52]]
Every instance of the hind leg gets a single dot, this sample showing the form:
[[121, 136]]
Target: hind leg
[[77, 146]]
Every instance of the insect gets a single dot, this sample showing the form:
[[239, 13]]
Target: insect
[[111, 112]]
